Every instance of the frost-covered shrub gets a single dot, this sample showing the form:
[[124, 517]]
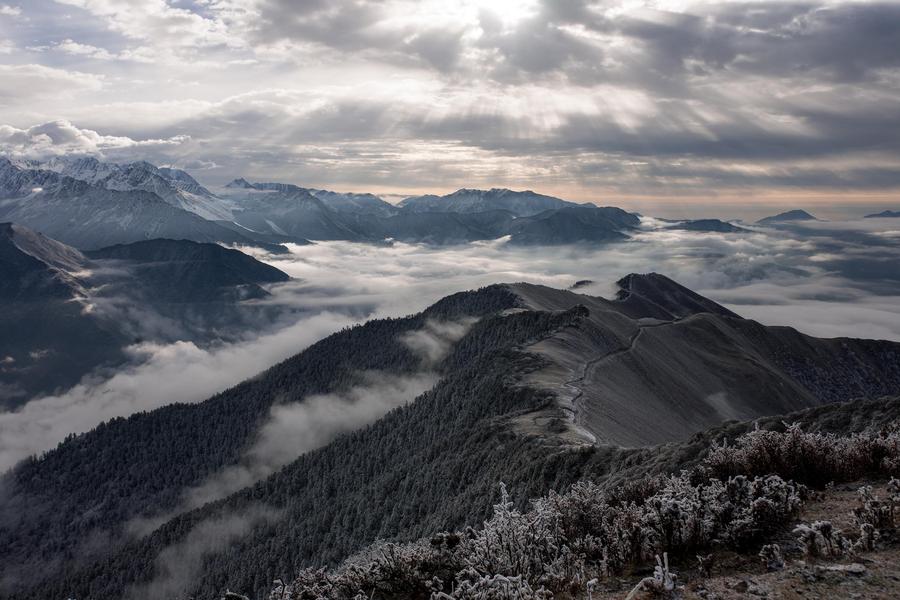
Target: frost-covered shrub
[[564, 542], [772, 557], [661, 586], [494, 587], [822, 540], [705, 563], [810, 458]]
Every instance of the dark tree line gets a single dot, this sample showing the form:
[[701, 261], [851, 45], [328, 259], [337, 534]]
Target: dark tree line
[[93, 483]]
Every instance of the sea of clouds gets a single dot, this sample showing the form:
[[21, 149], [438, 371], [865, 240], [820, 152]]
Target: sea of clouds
[[826, 279]]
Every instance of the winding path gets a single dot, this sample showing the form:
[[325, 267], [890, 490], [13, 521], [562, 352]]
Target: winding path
[[577, 384]]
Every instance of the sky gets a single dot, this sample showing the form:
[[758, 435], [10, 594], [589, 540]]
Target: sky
[[637, 103]]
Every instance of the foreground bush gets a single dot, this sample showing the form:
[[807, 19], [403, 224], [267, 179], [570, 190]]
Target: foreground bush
[[740, 496], [564, 542], [813, 459]]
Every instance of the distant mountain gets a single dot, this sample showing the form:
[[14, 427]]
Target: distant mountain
[[520, 204], [34, 266], [432, 228], [174, 186], [351, 203], [548, 387], [787, 217], [885, 214], [90, 204], [90, 216], [64, 313], [49, 339], [572, 225], [366, 204], [289, 211], [466, 216], [709, 225], [184, 271]]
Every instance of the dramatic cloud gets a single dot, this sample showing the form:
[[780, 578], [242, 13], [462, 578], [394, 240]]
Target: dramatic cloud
[[649, 98], [62, 137], [22, 83]]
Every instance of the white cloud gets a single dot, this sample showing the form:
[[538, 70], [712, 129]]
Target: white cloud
[[156, 20], [72, 47], [638, 98], [10, 11], [177, 372], [62, 137], [22, 83]]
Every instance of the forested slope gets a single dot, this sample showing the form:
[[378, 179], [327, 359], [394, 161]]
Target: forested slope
[[424, 467], [139, 466]]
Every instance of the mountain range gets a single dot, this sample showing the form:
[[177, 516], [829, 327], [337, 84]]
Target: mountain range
[[90, 215], [91, 204], [55, 298], [520, 204], [542, 387]]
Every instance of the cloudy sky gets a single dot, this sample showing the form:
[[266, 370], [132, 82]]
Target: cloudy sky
[[657, 101]]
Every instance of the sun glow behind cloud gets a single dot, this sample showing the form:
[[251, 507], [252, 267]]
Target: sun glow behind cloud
[[684, 101]]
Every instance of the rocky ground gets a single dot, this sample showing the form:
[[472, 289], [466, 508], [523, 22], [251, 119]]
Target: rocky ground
[[869, 575]]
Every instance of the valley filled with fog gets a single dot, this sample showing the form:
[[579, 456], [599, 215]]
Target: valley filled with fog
[[825, 278]]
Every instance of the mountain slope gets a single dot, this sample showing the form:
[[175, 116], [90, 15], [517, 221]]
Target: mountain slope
[[185, 271], [174, 186], [680, 365], [89, 216], [43, 317], [521, 204], [787, 217], [365, 204], [64, 313], [518, 402], [33, 266], [572, 225], [885, 214], [290, 211], [200, 439]]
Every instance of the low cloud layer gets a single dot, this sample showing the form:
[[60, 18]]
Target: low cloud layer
[[299, 427], [176, 566], [824, 278], [179, 372], [296, 428]]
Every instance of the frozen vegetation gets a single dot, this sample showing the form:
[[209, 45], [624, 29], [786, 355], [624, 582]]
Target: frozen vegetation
[[739, 497]]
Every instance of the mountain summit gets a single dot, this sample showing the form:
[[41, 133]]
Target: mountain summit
[[787, 217], [521, 204]]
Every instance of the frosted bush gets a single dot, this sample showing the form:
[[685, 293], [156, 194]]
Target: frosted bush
[[494, 587], [662, 585], [874, 511], [810, 458], [772, 557], [823, 540], [564, 542]]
